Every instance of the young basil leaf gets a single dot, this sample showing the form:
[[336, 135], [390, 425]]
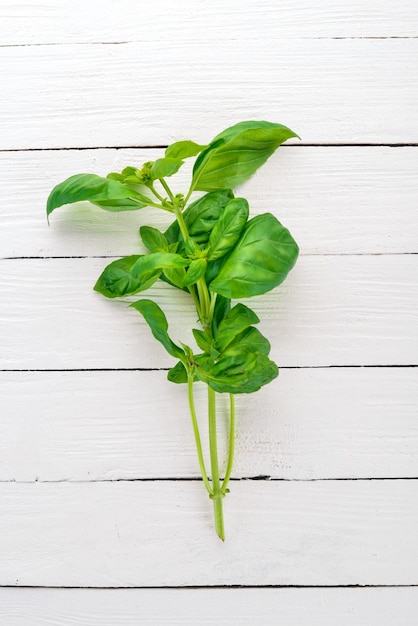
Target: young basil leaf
[[178, 374], [164, 167], [261, 260], [183, 149], [196, 270], [238, 319], [203, 339], [117, 279], [236, 153], [130, 170], [158, 261], [153, 239], [157, 321], [107, 193], [116, 176], [175, 277], [227, 230], [200, 216]]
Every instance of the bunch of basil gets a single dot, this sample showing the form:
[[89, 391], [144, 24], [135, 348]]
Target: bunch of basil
[[213, 252]]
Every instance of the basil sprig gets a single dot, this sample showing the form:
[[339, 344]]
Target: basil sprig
[[212, 251]]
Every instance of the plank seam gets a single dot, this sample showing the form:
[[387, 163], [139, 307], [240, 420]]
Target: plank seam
[[306, 254], [134, 41], [189, 479], [166, 369], [162, 147], [198, 587]]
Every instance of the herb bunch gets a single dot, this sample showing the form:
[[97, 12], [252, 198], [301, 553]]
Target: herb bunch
[[212, 251]]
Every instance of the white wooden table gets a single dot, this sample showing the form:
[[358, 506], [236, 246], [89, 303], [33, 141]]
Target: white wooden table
[[103, 520]]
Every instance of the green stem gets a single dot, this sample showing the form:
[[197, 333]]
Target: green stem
[[217, 495], [197, 435], [186, 199], [167, 188], [182, 224], [213, 297], [155, 192], [204, 299], [192, 292], [231, 443]]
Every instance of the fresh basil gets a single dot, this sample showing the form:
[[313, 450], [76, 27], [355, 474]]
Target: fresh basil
[[213, 253]]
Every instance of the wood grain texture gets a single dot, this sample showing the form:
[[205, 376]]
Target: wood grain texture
[[309, 424], [159, 533], [106, 21], [331, 91], [103, 75], [334, 201], [225, 607], [332, 310]]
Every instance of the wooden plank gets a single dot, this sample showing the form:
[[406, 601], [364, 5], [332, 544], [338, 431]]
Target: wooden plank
[[332, 310], [334, 201], [310, 424], [187, 607], [52, 21], [148, 534], [327, 90]]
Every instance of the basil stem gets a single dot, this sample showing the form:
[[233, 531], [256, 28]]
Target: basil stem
[[216, 483], [231, 446], [197, 435]]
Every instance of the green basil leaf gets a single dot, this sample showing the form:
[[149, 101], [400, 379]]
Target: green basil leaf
[[136, 273], [236, 153], [203, 340], [250, 340], [201, 216], [183, 149], [222, 308], [153, 239], [157, 321], [238, 319], [107, 193], [178, 374], [117, 279], [228, 228], [260, 261], [158, 261], [213, 270], [175, 277], [165, 167], [243, 373], [130, 170], [116, 176], [196, 270], [116, 206]]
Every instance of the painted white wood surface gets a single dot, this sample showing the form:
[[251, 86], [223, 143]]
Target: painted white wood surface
[[333, 200], [309, 424], [327, 90], [332, 310], [235, 61], [161, 534], [99, 21], [224, 607]]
